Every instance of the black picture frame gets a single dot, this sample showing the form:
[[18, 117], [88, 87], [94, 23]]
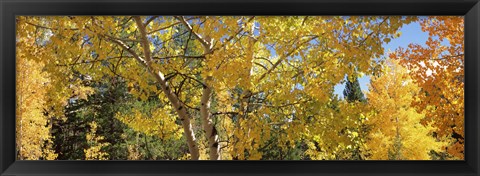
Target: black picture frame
[[11, 8]]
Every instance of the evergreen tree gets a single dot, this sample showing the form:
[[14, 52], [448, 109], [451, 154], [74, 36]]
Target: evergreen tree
[[352, 91], [353, 94]]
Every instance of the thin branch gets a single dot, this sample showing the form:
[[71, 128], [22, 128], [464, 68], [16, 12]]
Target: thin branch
[[150, 20], [119, 60], [123, 39], [44, 27], [192, 78], [281, 106], [263, 58], [371, 33], [130, 18], [126, 48], [233, 36], [179, 89], [173, 37], [225, 113], [284, 57], [256, 63], [304, 20], [170, 76], [86, 62], [186, 44], [188, 106], [163, 28], [166, 27], [180, 56], [447, 57], [206, 44]]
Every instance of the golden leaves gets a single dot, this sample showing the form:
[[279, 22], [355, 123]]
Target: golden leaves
[[158, 122], [33, 137], [396, 129], [96, 144], [290, 66], [438, 68]]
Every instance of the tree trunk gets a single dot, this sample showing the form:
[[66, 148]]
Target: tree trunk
[[184, 117], [208, 126], [179, 108]]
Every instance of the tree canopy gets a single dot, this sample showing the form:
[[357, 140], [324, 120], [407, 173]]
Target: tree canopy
[[235, 87]]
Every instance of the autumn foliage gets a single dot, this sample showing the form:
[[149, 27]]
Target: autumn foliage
[[238, 87], [437, 68], [396, 129]]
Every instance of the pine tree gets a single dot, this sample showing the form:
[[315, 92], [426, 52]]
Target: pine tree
[[353, 94], [352, 91]]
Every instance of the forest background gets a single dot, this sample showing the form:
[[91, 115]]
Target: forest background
[[240, 88]]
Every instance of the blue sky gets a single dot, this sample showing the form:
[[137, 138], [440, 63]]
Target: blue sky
[[411, 33]]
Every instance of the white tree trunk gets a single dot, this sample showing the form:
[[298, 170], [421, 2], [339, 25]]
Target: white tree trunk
[[208, 126], [179, 107], [183, 116]]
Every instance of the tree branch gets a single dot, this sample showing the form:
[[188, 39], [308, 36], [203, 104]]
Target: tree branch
[[150, 20], [180, 56], [284, 57], [206, 44], [145, 43], [233, 36], [166, 27], [126, 48]]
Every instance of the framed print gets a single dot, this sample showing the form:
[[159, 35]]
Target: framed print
[[241, 87]]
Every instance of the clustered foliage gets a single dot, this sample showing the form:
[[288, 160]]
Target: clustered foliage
[[437, 67], [236, 88]]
